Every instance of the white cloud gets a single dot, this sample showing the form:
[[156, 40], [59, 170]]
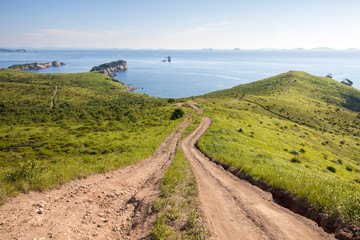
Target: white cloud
[[74, 33], [201, 36], [75, 38]]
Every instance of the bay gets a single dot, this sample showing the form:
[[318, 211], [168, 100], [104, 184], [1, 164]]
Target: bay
[[196, 72]]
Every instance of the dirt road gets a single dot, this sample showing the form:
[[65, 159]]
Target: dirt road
[[115, 205], [235, 209]]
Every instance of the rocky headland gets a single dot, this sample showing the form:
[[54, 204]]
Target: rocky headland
[[110, 68], [128, 87], [36, 66]]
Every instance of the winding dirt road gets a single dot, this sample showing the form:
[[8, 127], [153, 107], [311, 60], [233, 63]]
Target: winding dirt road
[[115, 205], [118, 204], [235, 209]]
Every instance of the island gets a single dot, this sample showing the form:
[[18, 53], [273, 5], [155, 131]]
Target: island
[[36, 66], [9, 50], [110, 68]]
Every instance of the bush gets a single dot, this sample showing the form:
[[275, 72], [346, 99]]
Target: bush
[[331, 169], [171, 100], [178, 113], [295, 160], [350, 169], [302, 150], [295, 152]]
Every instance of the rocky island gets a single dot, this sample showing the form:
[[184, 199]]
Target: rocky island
[[36, 66], [9, 50], [110, 68]]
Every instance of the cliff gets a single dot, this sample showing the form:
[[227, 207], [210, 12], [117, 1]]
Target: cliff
[[36, 66], [110, 68]]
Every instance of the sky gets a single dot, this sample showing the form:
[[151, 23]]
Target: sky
[[180, 24]]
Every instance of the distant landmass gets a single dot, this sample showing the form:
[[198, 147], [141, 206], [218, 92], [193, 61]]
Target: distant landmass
[[36, 66], [110, 68], [9, 50]]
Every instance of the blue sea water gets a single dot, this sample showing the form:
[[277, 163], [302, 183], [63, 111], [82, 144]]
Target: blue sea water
[[196, 72]]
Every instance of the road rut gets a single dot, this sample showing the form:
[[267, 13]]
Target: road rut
[[115, 205], [235, 209]]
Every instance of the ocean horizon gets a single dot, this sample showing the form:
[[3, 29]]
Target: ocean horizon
[[196, 72]]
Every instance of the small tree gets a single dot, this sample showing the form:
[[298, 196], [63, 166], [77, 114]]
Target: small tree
[[171, 100], [329, 75], [178, 113], [347, 81]]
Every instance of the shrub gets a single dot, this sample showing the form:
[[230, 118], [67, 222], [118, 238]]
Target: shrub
[[331, 169], [171, 100], [295, 160], [350, 169], [178, 113], [295, 152], [302, 150], [240, 130]]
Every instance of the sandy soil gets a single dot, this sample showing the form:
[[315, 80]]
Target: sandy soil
[[235, 209], [115, 205]]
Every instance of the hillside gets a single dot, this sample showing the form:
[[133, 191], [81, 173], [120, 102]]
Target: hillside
[[94, 125], [294, 131]]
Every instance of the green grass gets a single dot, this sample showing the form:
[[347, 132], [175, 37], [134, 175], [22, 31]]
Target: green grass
[[177, 217], [94, 127], [305, 141]]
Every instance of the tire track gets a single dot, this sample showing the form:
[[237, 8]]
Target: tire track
[[235, 209], [115, 205]]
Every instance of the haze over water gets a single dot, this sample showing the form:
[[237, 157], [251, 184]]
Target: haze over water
[[196, 72]]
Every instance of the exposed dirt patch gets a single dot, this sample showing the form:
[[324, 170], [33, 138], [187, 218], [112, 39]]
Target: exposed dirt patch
[[235, 209], [115, 205]]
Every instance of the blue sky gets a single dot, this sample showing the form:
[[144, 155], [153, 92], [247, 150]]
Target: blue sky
[[181, 24]]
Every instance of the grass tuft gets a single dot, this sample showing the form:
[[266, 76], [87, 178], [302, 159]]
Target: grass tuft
[[177, 216]]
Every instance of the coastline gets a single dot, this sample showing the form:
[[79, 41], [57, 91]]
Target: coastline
[[128, 87]]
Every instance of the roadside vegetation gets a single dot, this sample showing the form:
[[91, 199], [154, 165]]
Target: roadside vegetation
[[177, 216], [176, 207], [95, 126], [304, 140]]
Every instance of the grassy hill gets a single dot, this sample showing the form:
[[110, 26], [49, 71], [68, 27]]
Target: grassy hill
[[94, 126], [295, 131]]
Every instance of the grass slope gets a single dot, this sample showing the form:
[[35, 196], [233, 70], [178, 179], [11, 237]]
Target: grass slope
[[95, 126], [304, 139]]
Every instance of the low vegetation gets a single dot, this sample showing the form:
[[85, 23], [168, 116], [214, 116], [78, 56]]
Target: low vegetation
[[304, 139], [297, 132], [95, 126], [177, 216]]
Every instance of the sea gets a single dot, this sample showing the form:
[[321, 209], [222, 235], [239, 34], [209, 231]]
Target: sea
[[196, 72]]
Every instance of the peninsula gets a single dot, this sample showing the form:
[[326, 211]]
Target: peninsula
[[36, 66], [110, 68]]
